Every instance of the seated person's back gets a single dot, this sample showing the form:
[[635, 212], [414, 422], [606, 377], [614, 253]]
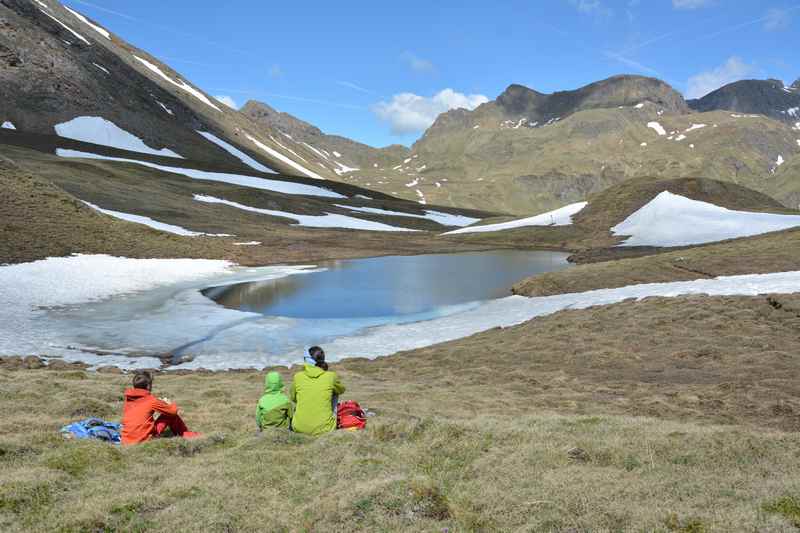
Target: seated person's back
[[138, 421], [274, 408], [313, 391]]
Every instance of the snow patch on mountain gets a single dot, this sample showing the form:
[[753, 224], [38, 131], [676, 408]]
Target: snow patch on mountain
[[328, 220], [179, 84], [674, 220], [657, 127], [445, 219], [102, 68], [7, 125], [558, 217], [243, 157], [97, 130], [277, 155], [73, 32], [285, 187], [86, 21], [147, 221]]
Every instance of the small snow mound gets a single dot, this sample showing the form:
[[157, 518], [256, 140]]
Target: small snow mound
[[695, 127], [674, 220], [558, 217], [639, 106], [657, 127], [7, 125]]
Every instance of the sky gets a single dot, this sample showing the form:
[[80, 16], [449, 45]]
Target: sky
[[380, 72]]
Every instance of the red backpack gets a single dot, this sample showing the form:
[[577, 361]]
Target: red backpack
[[350, 415]]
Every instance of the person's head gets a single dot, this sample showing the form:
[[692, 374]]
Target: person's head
[[142, 380], [318, 355], [273, 382]]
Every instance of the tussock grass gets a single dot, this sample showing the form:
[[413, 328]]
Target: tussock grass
[[416, 470]]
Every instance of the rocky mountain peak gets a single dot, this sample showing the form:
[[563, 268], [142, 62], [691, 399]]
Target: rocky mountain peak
[[796, 84], [518, 99], [263, 114]]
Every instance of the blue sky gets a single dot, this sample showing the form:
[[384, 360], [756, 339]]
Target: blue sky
[[376, 71]]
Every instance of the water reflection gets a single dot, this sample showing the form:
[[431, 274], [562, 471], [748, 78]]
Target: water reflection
[[389, 286]]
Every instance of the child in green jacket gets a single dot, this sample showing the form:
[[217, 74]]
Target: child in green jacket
[[274, 408]]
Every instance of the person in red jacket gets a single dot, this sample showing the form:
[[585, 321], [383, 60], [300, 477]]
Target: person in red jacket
[[138, 422]]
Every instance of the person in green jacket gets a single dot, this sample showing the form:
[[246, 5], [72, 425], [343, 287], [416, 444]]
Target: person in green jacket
[[314, 391], [274, 408]]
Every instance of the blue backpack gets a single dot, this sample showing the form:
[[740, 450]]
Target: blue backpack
[[93, 428]]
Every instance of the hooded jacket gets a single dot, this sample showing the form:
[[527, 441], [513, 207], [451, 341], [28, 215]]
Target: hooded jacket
[[312, 391], [138, 424], [274, 408]]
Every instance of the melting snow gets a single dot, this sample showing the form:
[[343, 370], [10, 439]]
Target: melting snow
[[249, 243], [476, 126], [779, 161], [276, 154], [98, 130], [243, 157], [558, 217], [285, 187], [9, 126], [165, 108], [86, 21], [147, 221], [680, 137], [73, 32], [695, 127], [413, 183], [328, 220], [102, 68], [83, 287], [792, 112], [337, 154], [657, 127], [639, 106], [445, 219], [298, 156], [180, 83], [343, 169], [643, 144], [673, 220]]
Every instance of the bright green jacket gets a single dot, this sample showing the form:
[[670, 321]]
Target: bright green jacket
[[312, 391], [274, 409]]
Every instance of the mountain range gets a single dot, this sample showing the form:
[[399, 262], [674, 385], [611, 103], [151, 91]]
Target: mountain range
[[65, 79]]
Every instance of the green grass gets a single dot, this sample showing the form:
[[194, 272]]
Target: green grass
[[444, 471]]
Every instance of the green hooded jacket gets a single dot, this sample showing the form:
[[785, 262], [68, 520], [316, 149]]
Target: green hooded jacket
[[312, 391], [274, 408]]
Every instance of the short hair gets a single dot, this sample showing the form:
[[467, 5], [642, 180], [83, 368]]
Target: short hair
[[142, 380]]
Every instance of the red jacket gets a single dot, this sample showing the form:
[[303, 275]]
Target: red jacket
[[138, 424]]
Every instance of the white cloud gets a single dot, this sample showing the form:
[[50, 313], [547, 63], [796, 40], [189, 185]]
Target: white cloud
[[227, 100], [691, 4], [417, 63], [592, 7], [733, 69], [776, 19], [409, 113]]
